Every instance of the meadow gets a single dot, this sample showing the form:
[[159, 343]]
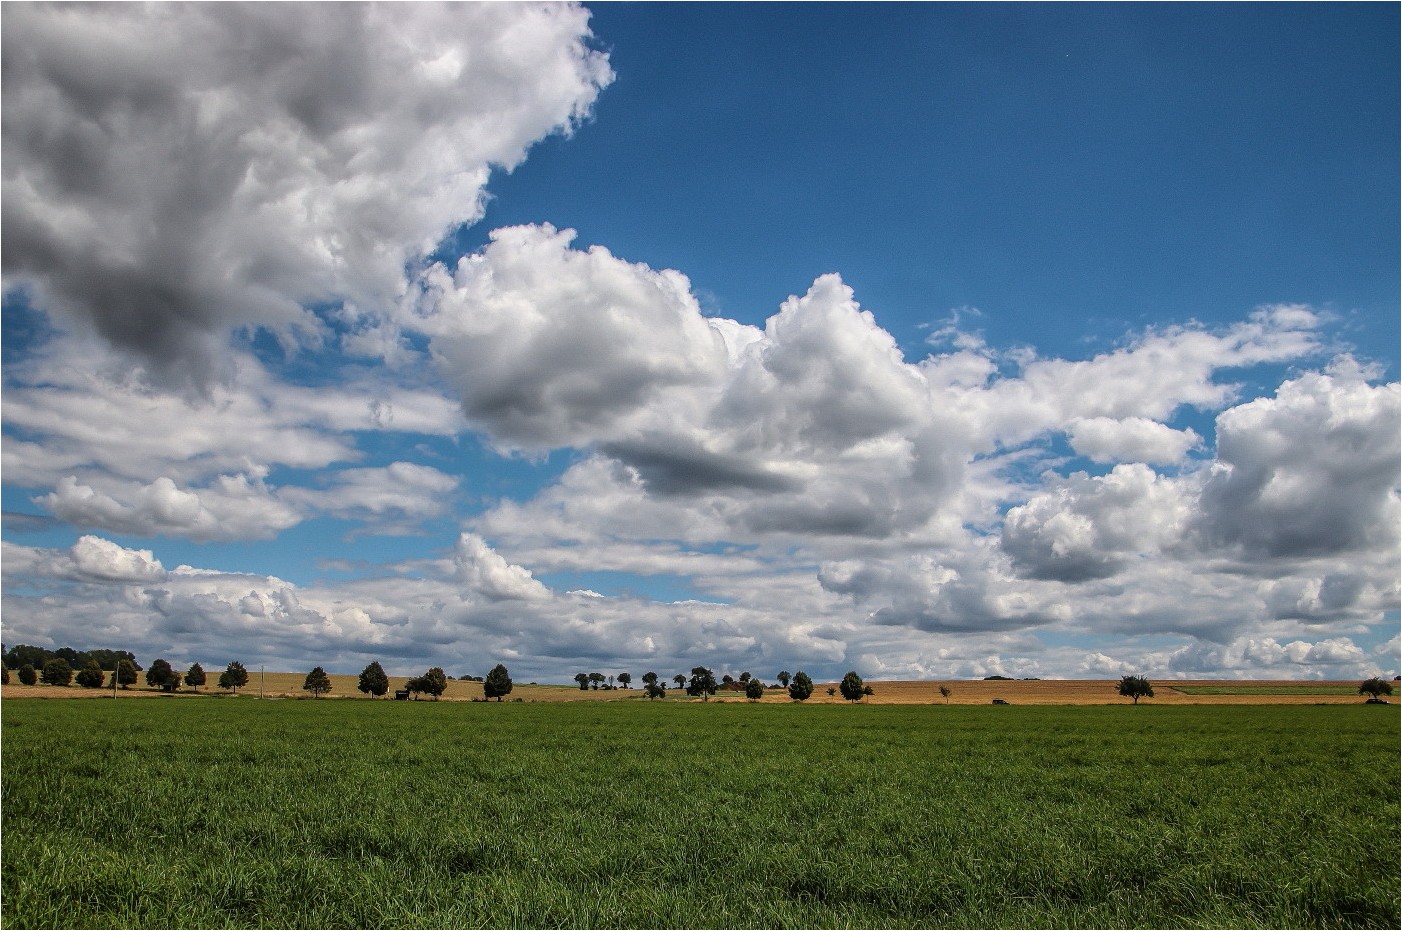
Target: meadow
[[241, 813]]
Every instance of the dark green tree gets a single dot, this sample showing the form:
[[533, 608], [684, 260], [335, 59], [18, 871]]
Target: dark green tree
[[1135, 687], [680, 680], [195, 676], [373, 680], [317, 682], [234, 677], [434, 682], [90, 676], [57, 672], [1375, 687], [497, 683], [4, 675], [946, 691], [127, 672], [851, 687], [783, 678], [26, 655], [625, 679], [649, 678], [27, 675], [800, 687], [596, 679], [754, 690], [162, 676], [703, 683], [655, 690], [583, 679]]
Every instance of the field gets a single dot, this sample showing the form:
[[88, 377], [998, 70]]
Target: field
[[964, 692], [232, 813]]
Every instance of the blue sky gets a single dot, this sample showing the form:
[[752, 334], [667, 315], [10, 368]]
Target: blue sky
[[929, 340]]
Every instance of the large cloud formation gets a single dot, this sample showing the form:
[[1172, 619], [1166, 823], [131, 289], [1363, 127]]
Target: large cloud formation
[[173, 171]]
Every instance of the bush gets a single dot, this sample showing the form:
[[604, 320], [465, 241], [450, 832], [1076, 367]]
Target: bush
[[57, 672], [90, 676], [27, 675]]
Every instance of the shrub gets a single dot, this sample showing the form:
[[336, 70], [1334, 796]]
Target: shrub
[[57, 672], [90, 676], [27, 675]]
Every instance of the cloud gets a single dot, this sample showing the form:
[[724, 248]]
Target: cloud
[[1134, 439], [233, 507], [484, 571], [396, 498], [1309, 472], [549, 346], [174, 172]]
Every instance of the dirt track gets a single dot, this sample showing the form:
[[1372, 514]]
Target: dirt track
[[963, 692]]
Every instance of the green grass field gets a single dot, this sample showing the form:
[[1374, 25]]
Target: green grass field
[[1257, 689], [238, 813]]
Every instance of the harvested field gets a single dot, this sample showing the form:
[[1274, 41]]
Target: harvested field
[[287, 685]]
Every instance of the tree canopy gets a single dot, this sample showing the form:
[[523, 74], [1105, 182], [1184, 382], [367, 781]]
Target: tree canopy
[[27, 675], [317, 682], [90, 676], [703, 683], [56, 672], [583, 679], [162, 676], [234, 677], [1135, 687], [754, 689], [497, 683], [1375, 687], [195, 676], [373, 680], [851, 687], [800, 686]]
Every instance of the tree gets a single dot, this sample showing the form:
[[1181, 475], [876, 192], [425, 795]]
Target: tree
[[680, 680], [434, 682], [745, 677], [596, 679], [234, 677], [1135, 687], [1375, 687], [57, 672], [832, 692], [754, 690], [27, 675], [655, 691], [946, 691], [783, 678], [90, 676], [626, 679], [497, 683], [801, 686], [851, 687], [26, 655], [373, 680], [317, 682], [162, 676], [194, 676], [4, 675], [726, 679], [649, 678], [126, 672], [583, 679], [703, 683]]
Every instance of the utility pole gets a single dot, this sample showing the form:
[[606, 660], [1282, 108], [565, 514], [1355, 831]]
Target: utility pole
[[260, 683]]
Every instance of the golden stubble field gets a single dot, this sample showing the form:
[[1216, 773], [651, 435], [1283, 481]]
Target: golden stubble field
[[288, 685]]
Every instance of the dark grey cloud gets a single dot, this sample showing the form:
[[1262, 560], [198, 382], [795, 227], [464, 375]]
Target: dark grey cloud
[[676, 466]]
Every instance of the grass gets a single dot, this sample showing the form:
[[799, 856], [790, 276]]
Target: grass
[[360, 814], [1257, 689]]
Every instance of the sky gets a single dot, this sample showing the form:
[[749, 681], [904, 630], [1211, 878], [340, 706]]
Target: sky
[[930, 341]]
